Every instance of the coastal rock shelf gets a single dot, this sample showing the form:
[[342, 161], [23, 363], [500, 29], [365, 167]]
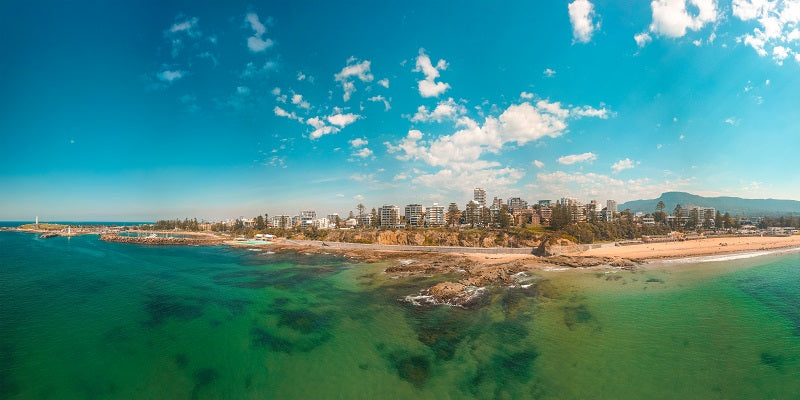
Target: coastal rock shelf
[[162, 241]]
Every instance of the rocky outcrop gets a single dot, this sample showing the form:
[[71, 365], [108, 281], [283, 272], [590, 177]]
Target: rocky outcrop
[[162, 241]]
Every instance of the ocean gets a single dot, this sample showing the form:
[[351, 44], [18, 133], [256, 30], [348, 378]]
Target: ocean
[[84, 319]]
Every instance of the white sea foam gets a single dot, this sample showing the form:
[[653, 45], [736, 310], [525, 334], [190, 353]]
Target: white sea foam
[[730, 257]]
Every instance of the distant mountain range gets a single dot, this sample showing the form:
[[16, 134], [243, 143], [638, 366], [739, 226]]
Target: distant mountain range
[[733, 205]]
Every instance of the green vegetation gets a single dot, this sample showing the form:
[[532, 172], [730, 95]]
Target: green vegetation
[[44, 227]]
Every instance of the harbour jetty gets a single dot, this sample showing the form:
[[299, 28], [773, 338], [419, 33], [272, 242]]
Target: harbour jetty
[[153, 240]]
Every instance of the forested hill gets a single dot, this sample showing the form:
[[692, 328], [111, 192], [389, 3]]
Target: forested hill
[[732, 205]]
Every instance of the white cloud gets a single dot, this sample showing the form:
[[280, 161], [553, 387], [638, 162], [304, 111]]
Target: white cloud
[[297, 99], [257, 43], [185, 27], [342, 120], [559, 183], [363, 153], [549, 72], [276, 91], [642, 39], [458, 156], [380, 98], [353, 69], [400, 177], [170, 76], [575, 158], [671, 18], [779, 53], [581, 13], [681, 137], [519, 123], [428, 87], [622, 165], [188, 26], [283, 113], [445, 110], [320, 128], [526, 95], [538, 164], [358, 142], [358, 197], [384, 82], [301, 76], [732, 121], [589, 111]]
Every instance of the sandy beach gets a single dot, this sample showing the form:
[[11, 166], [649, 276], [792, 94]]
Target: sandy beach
[[694, 248]]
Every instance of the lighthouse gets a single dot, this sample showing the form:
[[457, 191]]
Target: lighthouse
[[37, 221]]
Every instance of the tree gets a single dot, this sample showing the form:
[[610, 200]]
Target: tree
[[453, 214], [360, 207], [375, 218], [504, 217], [486, 216], [718, 220], [260, 222], [660, 206], [471, 211], [560, 216]]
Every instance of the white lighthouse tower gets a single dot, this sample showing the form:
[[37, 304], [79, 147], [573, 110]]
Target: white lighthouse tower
[[37, 221]]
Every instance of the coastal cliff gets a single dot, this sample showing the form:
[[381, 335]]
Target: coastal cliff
[[427, 237]]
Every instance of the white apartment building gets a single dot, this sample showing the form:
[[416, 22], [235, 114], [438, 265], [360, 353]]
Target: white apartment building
[[413, 212], [435, 215]]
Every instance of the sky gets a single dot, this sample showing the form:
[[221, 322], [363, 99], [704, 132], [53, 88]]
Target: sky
[[162, 109]]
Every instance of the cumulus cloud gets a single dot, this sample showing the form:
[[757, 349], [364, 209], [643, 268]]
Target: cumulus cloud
[[526, 95], [184, 27], [320, 128], [589, 111], [380, 98], [549, 72], [428, 87], [558, 183], [642, 39], [187, 26], [581, 13], [257, 43], [297, 99], [353, 70], [622, 165], [363, 153], [358, 142], [283, 113], [342, 120], [538, 164], [170, 76], [384, 82], [576, 158], [445, 110], [671, 18]]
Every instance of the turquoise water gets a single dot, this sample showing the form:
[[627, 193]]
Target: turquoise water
[[83, 319]]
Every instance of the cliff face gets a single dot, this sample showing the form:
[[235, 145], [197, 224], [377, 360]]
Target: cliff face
[[471, 238]]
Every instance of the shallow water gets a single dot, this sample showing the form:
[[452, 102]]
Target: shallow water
[[80, 318]]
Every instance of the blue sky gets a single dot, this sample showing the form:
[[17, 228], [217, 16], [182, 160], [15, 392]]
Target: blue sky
[[179, 109]]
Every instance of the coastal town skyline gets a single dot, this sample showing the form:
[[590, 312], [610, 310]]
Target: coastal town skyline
[[227, 110]]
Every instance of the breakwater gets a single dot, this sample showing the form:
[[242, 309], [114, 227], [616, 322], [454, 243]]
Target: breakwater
[[200, 240]]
